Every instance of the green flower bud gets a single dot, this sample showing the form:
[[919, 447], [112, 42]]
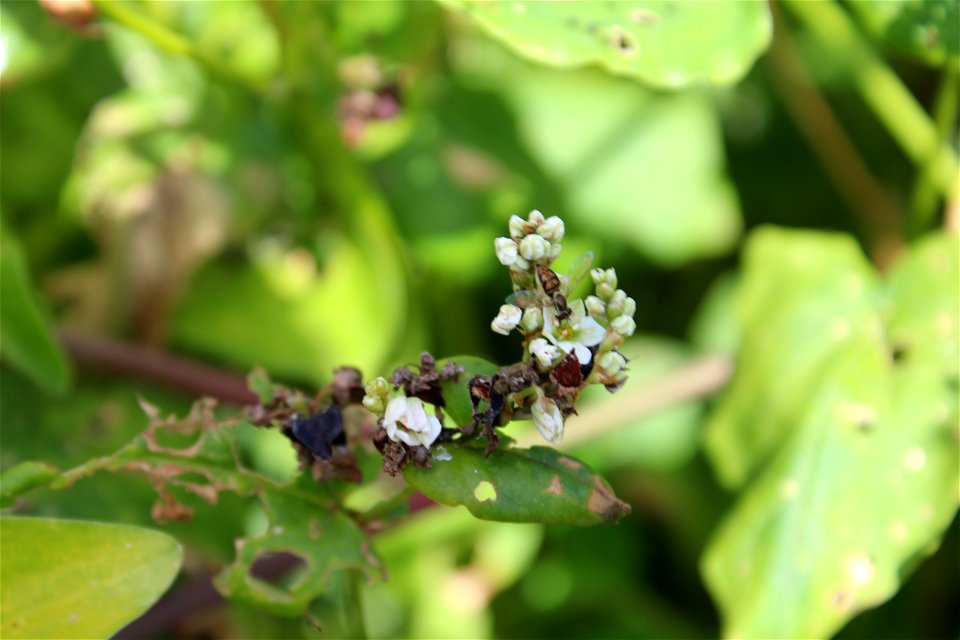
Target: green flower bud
[[534, 247], [532, 320], [629, 307], [611, 277], [624, 325], [377, 392], [516, 227], [611, 362], [617, 303], [596, 307], [598, 276], [605, 291]]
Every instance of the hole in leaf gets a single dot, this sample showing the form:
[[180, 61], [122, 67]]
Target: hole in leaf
[[485, 491], [280, 568], [898, 353], [622, 40]]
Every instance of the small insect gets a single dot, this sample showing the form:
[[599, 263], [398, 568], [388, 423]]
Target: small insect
[[552, 290]]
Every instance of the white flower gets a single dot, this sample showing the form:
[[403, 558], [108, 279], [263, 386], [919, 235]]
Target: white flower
[[507, 319], [407, 421], [506, 250], [545, 353], [516, 227], [532, 319], [576, 333], [534, 247], [549, 420], [552, 229], [624, 325]]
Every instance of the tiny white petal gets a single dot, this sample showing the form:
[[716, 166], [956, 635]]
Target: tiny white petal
[[407, 421], [506, 250], [583, 353], [544, 352], [507, 319]]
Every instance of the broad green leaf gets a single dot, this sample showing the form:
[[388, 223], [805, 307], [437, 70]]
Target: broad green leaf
[[519, 485], [854, 476], [23, 477], [928, 29], [665, 43], [326, 540], [457, 394], [635, 168], [26, 338], [72, 579]]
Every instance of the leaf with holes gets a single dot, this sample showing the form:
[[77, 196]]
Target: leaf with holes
[[930, 30], [457, 394], [70, 579], [840, 427], [538, 484], [326, 540], [665, 43]]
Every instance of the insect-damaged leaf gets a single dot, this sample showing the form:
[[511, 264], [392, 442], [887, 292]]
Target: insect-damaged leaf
[[457, 394], [519, 485], [930, 30], [666, 43], [847, 387], [70, 579], [326, 540]]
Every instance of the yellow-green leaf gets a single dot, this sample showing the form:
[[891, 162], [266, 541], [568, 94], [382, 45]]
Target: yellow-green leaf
[[72, 579]]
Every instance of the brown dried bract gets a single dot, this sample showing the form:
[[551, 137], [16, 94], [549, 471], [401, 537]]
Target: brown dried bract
[[425, 385]]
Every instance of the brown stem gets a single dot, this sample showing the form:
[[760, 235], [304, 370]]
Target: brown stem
[[164, 369], [811, 113]]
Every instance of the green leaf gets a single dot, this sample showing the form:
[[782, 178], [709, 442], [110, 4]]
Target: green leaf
[[648, 174], [849, 387], [24, 477], [457, 394], [666, 43], [71, 579], [929, 30], [326, 540], [26, 338], [519, 485]]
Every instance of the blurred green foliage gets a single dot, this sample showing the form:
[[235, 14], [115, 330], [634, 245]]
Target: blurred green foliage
[[304, 185]]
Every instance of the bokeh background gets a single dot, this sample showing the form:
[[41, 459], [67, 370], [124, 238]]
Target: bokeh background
[[298, 186]]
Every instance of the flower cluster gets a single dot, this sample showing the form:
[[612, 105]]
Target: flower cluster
[[572, 342]]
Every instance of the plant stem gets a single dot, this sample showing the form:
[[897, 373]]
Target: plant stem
[[811, 112], [891, 101], [924, 200]]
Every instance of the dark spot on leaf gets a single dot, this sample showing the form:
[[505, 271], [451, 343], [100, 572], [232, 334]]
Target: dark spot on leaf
[[622, 40], [271, 565], [898, 353]]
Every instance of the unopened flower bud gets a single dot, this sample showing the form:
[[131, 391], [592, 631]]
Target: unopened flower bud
[[506, 250], [611, 362], [552, 229], [611, 277], [376, 392], [629, 307], [596, 307], [555, 249], [549, 420], [516, 227], [534, 247], [605, 290], [545, 353], [507, 319], [616, 305], [535, 219], [598, 275], [624, 325], [520, 265], [532, 320]]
